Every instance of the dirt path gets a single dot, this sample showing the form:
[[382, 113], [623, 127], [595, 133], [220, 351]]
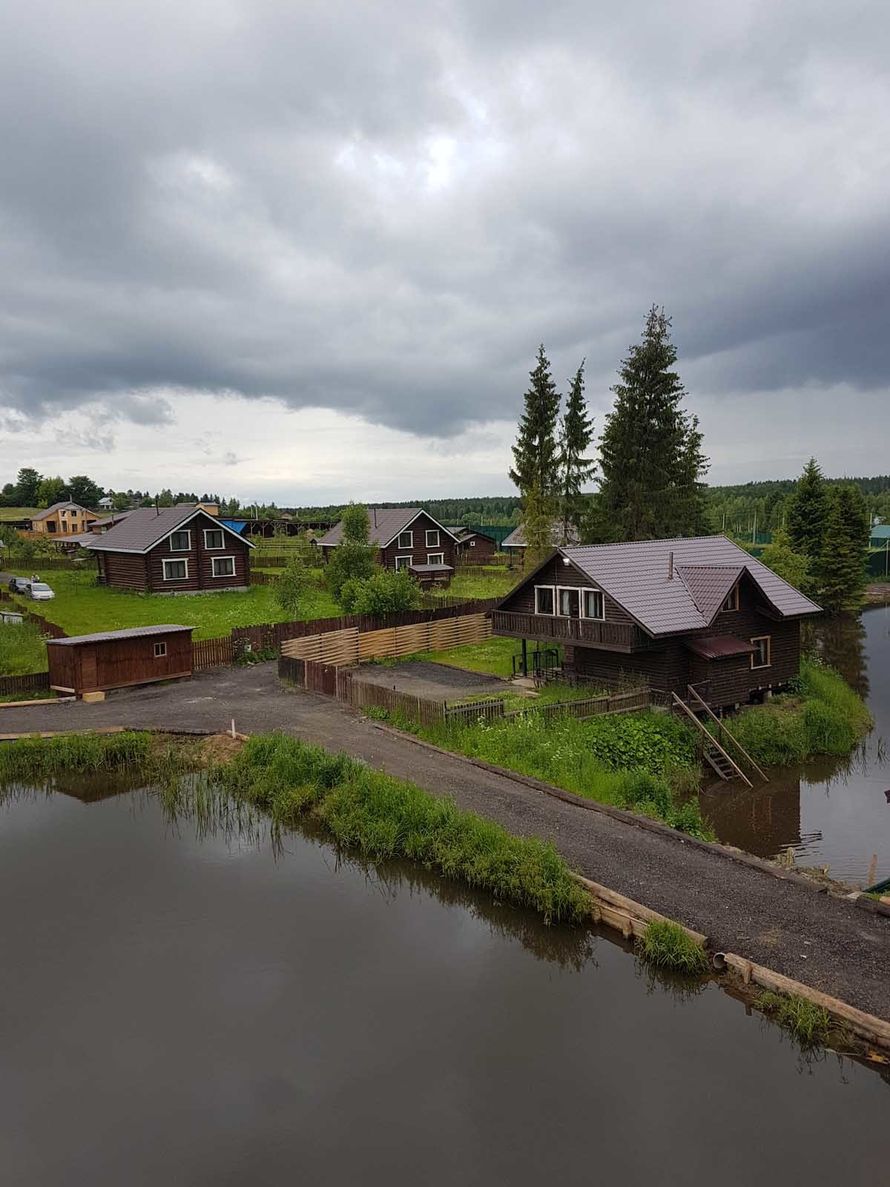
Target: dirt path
[[825, 942]]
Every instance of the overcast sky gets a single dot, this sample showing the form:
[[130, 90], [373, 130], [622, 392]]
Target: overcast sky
[[306, 251]]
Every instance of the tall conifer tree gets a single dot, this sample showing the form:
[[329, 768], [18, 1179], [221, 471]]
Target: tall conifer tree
[[840, 567], [808, 512], [575, 468], [536, 453], [651, 450]]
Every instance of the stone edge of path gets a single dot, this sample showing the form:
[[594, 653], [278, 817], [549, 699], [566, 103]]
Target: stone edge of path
[[646, 823]]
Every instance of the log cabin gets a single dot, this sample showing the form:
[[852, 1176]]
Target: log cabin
[[473, 547], [670, 613], [405, 537], [172, 550]]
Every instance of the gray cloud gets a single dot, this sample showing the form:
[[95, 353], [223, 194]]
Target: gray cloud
[[383, 210]]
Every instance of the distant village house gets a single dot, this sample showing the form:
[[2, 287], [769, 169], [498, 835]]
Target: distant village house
[[405, 538], [62, 519]]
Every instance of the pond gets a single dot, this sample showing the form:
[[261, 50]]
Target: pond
[[829, 812], [178, 1008]]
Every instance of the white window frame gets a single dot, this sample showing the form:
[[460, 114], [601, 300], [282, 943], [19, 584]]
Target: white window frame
[[213, 561], [181, 532], [437, 543], [593, 617], [731, 602], [174, 560], [410, 543], [160, 650], [768, 639], [222, 539], [435, 558], [568, 589], [409, 561], [552, 591]]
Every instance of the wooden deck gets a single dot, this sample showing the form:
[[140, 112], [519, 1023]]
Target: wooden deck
[[609, 636]]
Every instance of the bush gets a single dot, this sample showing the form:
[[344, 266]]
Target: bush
[[349, 561], [386, 592], [291, 587]]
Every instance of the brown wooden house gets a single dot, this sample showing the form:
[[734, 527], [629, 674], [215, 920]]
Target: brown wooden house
[[172, 550], [406, 538], [116, 659], [473, 547], [673, 613]]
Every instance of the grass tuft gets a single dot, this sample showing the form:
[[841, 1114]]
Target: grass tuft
[[811, 1025], [667, 946]]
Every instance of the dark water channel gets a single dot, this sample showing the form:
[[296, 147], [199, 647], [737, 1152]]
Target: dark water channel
[[833, 812], [187, 1010]]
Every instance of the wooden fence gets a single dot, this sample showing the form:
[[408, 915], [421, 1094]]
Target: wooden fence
[[32, 682], [46, 628], [623, 702], [352, 646], [212, 653]]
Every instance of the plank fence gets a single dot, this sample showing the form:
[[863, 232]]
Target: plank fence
[[352, 646], [212, 653], [46, 628], [31, 682]]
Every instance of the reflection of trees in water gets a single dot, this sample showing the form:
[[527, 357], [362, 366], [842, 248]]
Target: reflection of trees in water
[[839, 640]]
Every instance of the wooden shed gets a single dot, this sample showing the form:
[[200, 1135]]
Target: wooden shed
[[116, 659]]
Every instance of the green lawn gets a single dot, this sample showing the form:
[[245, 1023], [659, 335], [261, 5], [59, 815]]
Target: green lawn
[[492, 584], [12, 514], [81, 607], [22, 649], [493, 656]]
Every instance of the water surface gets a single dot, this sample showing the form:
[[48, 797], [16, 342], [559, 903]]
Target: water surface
[[195, 1011]]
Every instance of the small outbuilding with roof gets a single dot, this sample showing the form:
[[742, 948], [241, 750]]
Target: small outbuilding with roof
[[119, 659]]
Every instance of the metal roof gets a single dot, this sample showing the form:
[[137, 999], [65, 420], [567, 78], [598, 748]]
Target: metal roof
[[147, 526], [516, 539], [430, 568], [385, 524], [709, 585], [718, 646], [880, 531], [133, 632], [637, 576]]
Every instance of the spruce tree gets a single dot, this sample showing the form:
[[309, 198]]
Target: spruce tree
[[840, 567], [575, 468], [536, 454], [651, 450], [808, 512], [537, 526]]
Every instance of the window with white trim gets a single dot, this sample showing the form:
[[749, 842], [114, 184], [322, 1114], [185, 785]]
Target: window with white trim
[[568, 601], [180, 541], [432, 538], [213, 538], [731, 601], [435, 558], [404, 562], [160, 650], [406, 540], [545, 599], [593, 604], [762, 656], [175, 570], [222, 566]]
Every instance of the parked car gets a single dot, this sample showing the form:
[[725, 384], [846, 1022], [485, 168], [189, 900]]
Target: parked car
[[39, 591], [20, 585]]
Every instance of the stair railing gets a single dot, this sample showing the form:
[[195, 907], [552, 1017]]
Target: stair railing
[[726, 732], [709, 737]]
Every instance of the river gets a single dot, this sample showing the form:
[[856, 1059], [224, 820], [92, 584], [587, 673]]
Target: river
[[829, 812], [187, 1009]]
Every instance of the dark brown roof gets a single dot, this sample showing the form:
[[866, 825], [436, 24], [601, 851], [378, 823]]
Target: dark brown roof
[[133, 632], [709, 585], [385, 524], [637, 576], [147, 526], [718, 646]]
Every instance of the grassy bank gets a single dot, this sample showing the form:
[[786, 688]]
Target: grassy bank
[[22, 649], [644, 762], [824, 715], [39, 759]]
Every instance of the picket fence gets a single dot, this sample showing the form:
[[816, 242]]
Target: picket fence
[[30, 682]]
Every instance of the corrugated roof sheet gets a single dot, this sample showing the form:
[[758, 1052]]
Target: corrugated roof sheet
[[709, 585], [516, 539], [133, 632], [718, 646], [385, 523], [636, 576], [145, 526]]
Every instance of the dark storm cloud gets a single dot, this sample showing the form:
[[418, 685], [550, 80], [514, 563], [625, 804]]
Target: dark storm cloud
[[384, 208]]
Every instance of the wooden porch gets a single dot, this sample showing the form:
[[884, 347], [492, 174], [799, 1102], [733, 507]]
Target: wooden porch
[[608, 636]]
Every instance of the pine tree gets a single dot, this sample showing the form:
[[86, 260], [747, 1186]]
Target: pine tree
[[808, 512], [536, 454], [576, 435], [840, 567], [651, 449]]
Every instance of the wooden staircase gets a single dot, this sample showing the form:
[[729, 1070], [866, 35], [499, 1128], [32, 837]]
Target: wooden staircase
[[715, 754]]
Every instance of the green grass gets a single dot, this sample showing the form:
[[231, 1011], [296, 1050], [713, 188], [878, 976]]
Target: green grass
[[381, 817], [22, 649], [667, 946], [44, 758], [81, 606], [12, 514], [823, 716], [492, 657], [644, 762], [492, 584], [810, 1024]]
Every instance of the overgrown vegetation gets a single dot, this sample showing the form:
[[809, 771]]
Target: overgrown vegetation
[[44, 758], [386, 591], [382, 817], [645, 762], [824, 715], [22, 649], [667, 946], [811, 1025]]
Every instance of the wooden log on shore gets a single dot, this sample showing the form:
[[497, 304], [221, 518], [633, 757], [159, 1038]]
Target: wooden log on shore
[[616, 910]]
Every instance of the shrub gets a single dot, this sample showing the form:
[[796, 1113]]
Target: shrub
[[291, 586], [385, 592], [349, 561]]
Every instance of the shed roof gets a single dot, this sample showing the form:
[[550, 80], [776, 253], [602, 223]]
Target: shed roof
[[880, 531], [718, 646], [385, 524], [133, 632], [147, 526], [430, 568], [637, 576]]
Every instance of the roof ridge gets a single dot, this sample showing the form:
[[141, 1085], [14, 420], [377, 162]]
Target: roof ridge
[[657, 540]]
